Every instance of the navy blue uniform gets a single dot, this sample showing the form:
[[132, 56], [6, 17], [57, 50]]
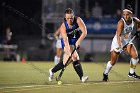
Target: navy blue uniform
[[72, 33]]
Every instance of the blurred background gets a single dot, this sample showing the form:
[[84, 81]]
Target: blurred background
[[24, 25]]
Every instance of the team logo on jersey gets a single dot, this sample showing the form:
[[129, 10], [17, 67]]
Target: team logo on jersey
[[74, 33], [128, 29]]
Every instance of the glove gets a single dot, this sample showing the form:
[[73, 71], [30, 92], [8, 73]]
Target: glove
[[78, 47], [118, 50]]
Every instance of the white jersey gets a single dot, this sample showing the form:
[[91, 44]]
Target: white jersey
[[127, 29], [125, 36]]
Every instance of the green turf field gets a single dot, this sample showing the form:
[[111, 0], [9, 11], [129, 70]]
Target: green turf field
[[31, 77]]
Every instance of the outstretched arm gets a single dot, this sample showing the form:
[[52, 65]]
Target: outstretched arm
[[56, 34]]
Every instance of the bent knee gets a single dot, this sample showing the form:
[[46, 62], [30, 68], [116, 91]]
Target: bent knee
[[113, 63]]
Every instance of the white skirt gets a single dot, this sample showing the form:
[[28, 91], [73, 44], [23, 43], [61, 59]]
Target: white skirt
[[58, 43], [115, 42]]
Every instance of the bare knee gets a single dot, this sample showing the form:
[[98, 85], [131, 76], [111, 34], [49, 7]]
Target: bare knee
[[114, 58], [113, 62]]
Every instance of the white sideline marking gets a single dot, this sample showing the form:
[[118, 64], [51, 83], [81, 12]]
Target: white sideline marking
[[31, 87]]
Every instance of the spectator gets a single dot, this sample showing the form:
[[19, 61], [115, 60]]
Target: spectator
[[97, 11], [8, 36], [118, 14]]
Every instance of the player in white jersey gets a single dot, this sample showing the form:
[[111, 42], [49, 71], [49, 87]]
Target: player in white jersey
[[123, 36], [58, 47]]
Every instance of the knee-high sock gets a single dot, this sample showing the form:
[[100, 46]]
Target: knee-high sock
[[78, 68], [58, 67], [108, 68], [56, 60], [133, 63]]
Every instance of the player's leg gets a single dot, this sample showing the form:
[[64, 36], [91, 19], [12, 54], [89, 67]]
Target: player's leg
[[133, 61], [53, 70], [78, 67], [58, 52], [110, 64], [58, 67], [57, 56], [113, 60]]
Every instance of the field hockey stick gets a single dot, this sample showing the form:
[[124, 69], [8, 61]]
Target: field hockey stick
[[129, 42], [63, 69], [122, 49], [50, 36], [136, 35]]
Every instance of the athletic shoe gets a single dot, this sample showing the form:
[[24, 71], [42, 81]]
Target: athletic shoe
[[105, 77], [84, 79], [51, 74], [133, 75]]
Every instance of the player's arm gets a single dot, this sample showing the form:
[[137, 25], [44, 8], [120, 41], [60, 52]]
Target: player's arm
[[65, 38], [83, 29], [137, 22], [119, 32], [56, 34]]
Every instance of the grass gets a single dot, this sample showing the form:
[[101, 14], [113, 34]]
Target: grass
[[32, 77]]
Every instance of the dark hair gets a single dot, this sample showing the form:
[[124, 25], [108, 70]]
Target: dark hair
[[69, 11], [129, 7]]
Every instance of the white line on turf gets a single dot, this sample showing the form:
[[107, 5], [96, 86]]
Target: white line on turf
[[88, 83], [31, 87]]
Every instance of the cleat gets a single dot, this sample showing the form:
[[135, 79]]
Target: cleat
[[133, 75], [105, 77], [84, 79], [51, 74]]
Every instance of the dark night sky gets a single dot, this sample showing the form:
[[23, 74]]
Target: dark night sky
[[29, 7], [19, 24], [32, 9]]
